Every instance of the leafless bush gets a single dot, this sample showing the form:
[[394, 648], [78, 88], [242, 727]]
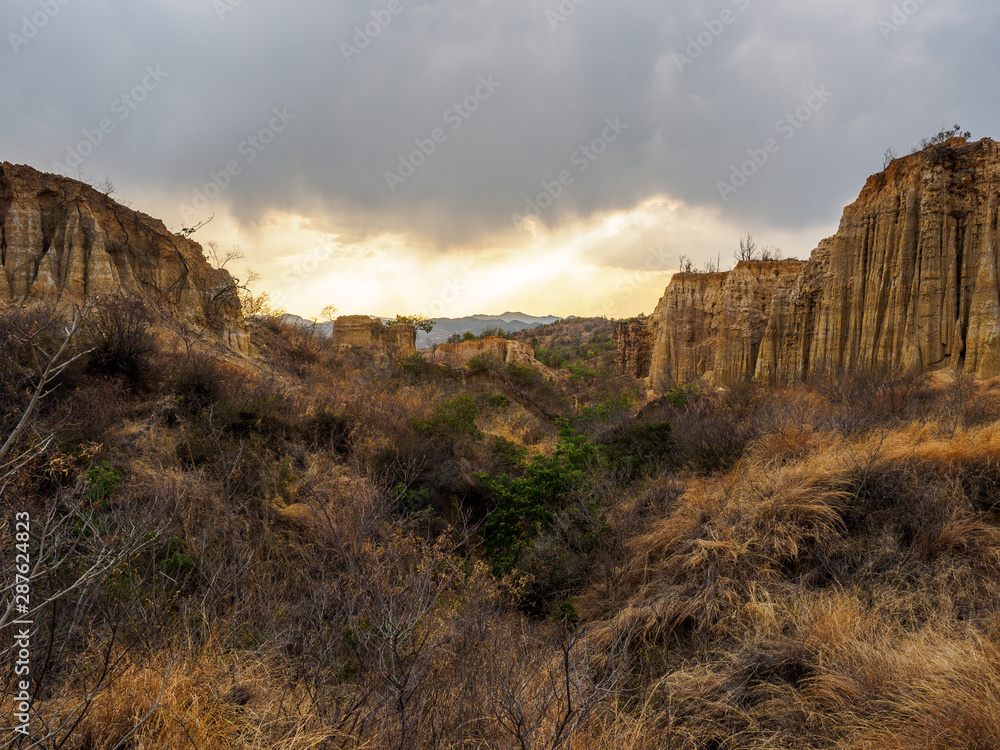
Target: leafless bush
[[869, 398], [120, 337]]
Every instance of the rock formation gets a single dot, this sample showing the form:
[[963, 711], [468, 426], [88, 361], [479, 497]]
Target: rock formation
[[503, 350], [63, 240], [398, 341], [633, 340], [909, 281], [709, 324]]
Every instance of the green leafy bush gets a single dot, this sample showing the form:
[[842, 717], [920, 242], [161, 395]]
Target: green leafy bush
[[102, 481], [640, 449], [484, 363], [680, 395], [526, 504], [499, 401], [453, 418]]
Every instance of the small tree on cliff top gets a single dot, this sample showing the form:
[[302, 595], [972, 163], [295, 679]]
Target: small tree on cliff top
[[418, 321], [943, 135]]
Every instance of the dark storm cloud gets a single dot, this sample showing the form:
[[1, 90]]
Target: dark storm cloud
[[442, 119]]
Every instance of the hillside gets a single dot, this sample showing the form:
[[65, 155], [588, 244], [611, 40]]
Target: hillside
[[312, 546], [63, 240], [445, 328]]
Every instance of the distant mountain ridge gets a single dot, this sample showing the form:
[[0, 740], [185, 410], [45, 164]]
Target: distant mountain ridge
[[511, 322], [444, 328]]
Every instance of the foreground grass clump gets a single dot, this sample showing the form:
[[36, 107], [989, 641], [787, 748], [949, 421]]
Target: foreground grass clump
[[307, 548]]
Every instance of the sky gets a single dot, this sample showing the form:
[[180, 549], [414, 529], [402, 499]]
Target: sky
[[453, 157]]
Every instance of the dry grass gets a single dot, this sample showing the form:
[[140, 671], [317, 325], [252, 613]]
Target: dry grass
[[833, 589]]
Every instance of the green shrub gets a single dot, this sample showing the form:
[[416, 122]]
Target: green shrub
[[483, 363], [523, 375], [525, 505], [416, 366], [506, 456], [680, 395], [173, 559], [639, 450], [102, 481], [453, 418], [499, 401]]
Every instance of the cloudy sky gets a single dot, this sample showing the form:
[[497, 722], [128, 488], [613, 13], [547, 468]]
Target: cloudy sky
[[451, 157]]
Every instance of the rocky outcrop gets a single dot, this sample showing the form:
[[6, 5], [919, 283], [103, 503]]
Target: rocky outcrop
[[633, 340], [505, 351], [397, 341], [909, 281], [61, 239], [711, 324]]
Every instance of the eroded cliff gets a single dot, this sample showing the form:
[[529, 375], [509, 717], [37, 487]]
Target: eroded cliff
[[61, 239], [397, 341], [712, 324], [909, 281], [505, 350]]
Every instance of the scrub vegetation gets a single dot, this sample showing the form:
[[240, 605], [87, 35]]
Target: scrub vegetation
[[311, 548]]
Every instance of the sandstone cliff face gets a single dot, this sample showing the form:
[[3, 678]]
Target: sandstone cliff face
[[909, 281], [712, 324], [398, 341], [633, 340], [60, 239], [504, 350]]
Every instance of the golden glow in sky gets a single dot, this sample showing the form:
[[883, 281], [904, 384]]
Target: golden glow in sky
[[614, 264]]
